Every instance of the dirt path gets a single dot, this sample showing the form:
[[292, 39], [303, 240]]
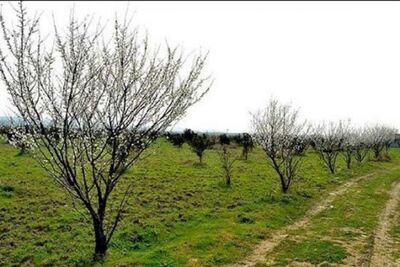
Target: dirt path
[[383, 243], [266, 246]]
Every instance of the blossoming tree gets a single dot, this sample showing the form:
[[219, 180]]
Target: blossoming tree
[[105, 102], [278, 129], [329, 141]]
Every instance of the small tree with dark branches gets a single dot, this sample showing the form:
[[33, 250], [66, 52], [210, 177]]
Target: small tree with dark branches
[[227, 160], [199, 144], [246, 143], [224, 139], [176, 139], [188, 135]]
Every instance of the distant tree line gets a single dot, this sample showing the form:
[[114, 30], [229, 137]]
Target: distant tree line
[[200, 142]]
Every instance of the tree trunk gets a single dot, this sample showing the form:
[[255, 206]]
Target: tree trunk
[[285, 188], [244, 154], [331, 167], [348, 161], [100, 239], [387, 152], [376, 153], [284, 184], [228, 180], [21, 151]]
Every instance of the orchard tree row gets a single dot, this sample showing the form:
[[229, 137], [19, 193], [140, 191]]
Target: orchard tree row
[[284, 136], [91, 104]]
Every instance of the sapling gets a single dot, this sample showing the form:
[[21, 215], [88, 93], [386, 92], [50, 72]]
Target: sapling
[[227, 160]]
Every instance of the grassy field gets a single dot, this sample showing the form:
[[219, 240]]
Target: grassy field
[[182, 214], [344, 233]]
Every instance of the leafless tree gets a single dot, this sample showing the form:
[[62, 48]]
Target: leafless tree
[[361, 147], [227, 160], [328, 139], [348, 144], [277, 130], [105, 101], [380, 137]]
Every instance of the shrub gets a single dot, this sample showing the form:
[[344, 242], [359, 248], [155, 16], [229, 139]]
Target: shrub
[[188, 135], [224, 139], [199, 143], [247, 145], [176, 139]]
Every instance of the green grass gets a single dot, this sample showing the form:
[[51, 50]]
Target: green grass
[[180, 213], [350, 221], [314, 251]]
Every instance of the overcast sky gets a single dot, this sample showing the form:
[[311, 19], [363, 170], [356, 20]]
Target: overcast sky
[[333, 60]]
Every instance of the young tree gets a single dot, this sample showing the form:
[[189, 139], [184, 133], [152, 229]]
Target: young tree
[[224, 139], [176, 139], [15, 134], [188, 135], [18, 137], [199, 144], [380, 137], [247, 144], [348, 144], [361, 146], [276, 129], [227, 161], [328, 139], [106, 102], [389, 140]]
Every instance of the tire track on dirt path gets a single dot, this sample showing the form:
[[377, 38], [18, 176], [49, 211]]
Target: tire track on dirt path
[[381, 254], [267, 245]]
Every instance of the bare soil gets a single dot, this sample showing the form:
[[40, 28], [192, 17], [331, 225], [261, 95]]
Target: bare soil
[[381, 254]]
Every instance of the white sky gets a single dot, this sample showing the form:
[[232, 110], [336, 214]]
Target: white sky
[[334, 60]]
